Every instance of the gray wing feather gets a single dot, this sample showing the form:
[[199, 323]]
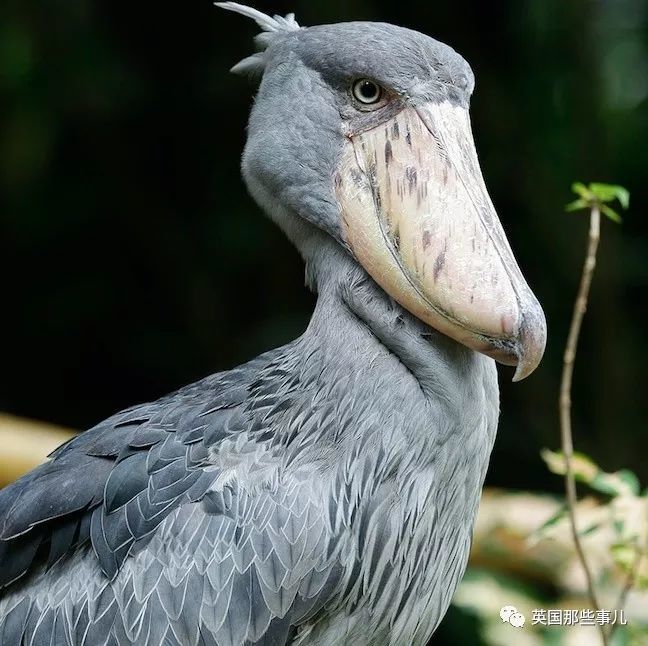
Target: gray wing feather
[[126, 538]]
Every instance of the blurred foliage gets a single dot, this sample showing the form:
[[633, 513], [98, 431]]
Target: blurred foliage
[[620, 524], [599, 195], [133, 261], [523, 555]]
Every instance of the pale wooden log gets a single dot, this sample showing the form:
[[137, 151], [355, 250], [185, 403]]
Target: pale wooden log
[[25, 443]]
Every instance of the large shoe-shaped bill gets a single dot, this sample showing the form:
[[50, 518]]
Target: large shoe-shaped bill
[[417, 216]]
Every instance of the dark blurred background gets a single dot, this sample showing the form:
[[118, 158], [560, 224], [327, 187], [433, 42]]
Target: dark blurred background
[[134, 262]]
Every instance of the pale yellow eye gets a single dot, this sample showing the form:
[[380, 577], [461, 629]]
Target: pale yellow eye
[[366, 91]]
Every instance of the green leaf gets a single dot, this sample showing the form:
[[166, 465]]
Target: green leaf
[[610, 213], [609, 192], [554, 460], [583, 467], [603, 192], [576, 205], [624, 554], [589, 530], [603, 483], [619, 483], [553, 520], [596, 194], [618, 526], [623, 195], [580, 189], [630, 480]]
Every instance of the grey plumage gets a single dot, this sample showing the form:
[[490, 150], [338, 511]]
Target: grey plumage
[[323, 493], [253, 499]]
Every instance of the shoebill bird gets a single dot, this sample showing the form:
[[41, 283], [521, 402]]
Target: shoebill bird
[[323, 493]]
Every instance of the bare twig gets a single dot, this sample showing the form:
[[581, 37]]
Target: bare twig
[[580, 305]]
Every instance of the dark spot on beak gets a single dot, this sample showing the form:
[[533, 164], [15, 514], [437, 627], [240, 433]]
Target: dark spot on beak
[[412, 178], [395, 130], [396, 239], [440, 261], [427, 238], [357, 178], [388, 152]]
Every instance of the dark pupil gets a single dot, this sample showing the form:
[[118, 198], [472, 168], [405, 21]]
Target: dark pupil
[[368, 90]]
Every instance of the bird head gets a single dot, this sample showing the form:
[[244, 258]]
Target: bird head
[[361, 130]]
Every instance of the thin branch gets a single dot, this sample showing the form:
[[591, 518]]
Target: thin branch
[[580, 305]]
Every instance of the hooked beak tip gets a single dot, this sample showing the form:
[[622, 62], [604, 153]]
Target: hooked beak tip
[[531, 343], [521, 372]]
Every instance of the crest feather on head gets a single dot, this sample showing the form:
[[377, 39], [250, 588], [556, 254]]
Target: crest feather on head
[[271, 26]]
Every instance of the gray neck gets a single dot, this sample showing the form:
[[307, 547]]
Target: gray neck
[[354, 319], [358, 325], [396, 423]]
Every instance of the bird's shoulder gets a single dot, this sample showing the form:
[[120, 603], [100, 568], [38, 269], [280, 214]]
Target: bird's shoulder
[[115, 483]]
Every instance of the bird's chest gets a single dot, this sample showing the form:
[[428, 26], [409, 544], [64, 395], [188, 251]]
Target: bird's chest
[[403, 551], [405, 512], [404, 478]]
